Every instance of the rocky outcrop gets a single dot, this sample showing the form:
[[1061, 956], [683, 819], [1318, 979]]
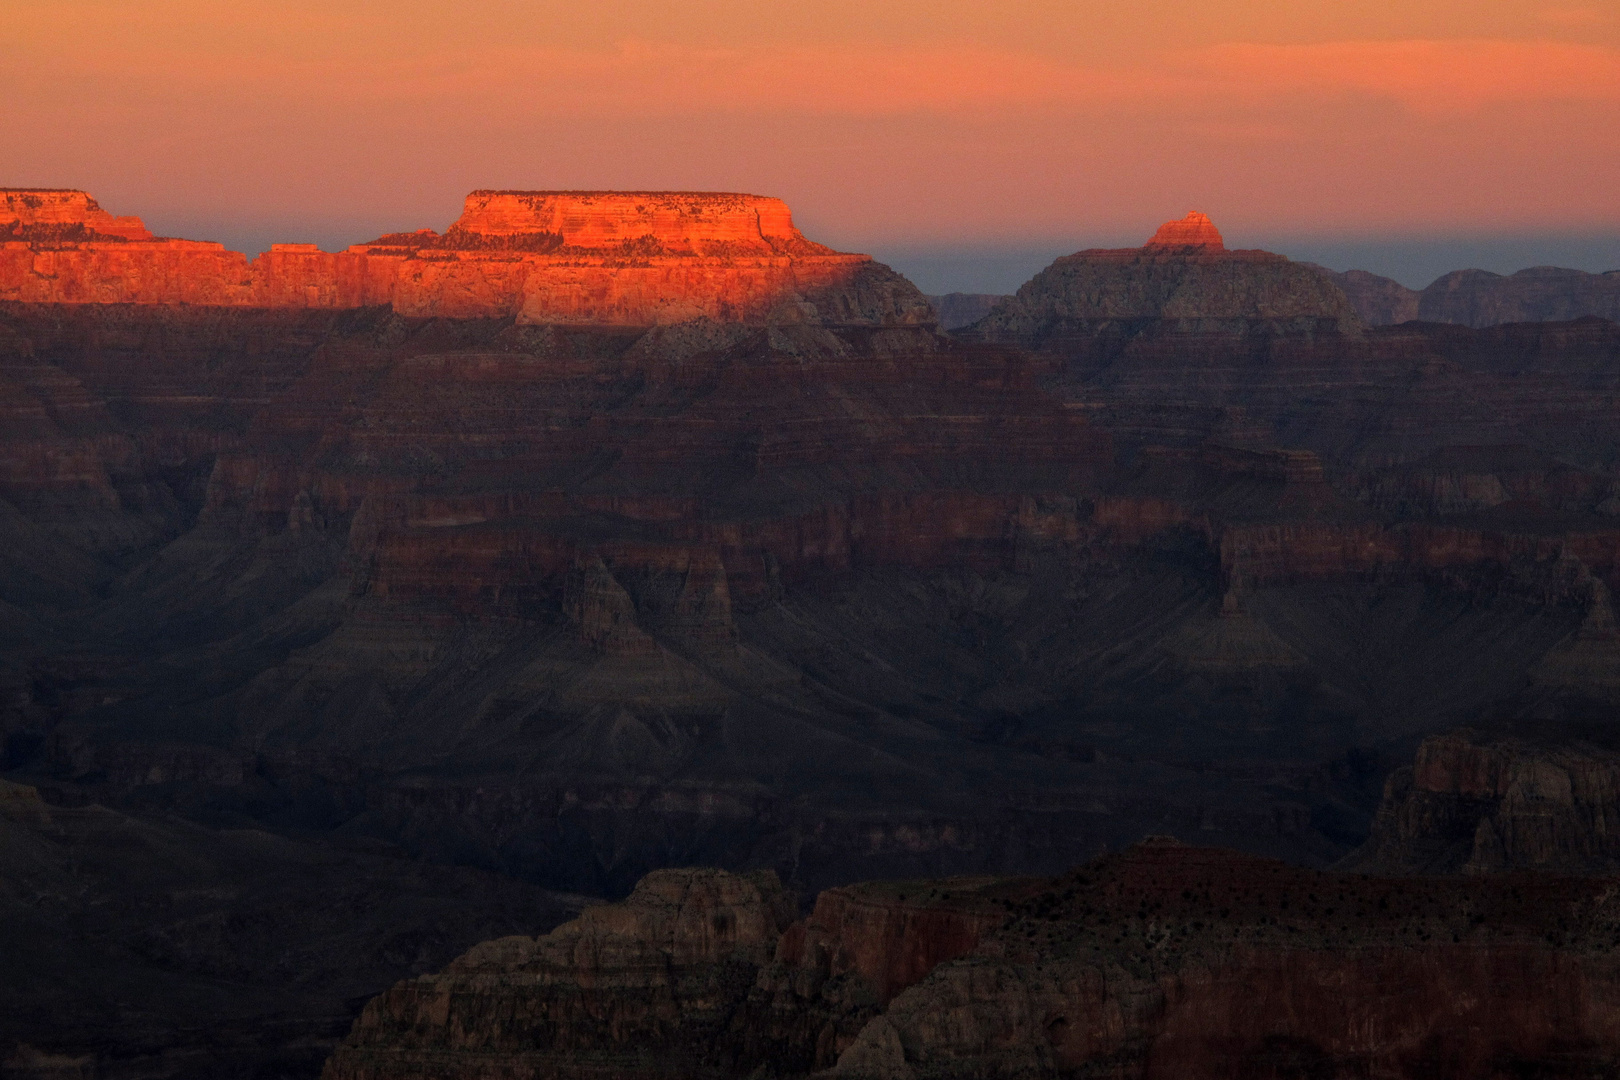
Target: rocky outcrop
[[652, 986], [697, 973], [1162, 961], [1476, 802], [1194, 231], [1184, 280], [1167, 961], [598, 258]]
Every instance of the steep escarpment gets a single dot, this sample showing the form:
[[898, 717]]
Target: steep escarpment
[[627, 258], [650, 986], [1164, 960], [697, 973], [1168, 961]]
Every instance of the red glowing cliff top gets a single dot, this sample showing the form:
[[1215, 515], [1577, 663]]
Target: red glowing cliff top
[[27, 210], [676, 222], [1193, 231], [1193, 238]]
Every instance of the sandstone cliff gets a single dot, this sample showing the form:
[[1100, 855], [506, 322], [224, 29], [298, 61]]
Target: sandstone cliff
[[1163, 961], [1167, 961], [697, 973], [626, 258], [1479, 803]]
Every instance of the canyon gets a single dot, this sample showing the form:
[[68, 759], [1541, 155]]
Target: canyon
[[608, 534]]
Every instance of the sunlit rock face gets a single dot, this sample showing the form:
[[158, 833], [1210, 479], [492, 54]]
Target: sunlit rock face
[[568, 258], [688, 222], [1193, 231], [26, 212]]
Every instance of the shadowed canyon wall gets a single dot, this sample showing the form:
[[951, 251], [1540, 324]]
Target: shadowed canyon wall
[[1163, 961]]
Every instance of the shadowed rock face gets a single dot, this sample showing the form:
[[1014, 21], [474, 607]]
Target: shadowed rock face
[[1539, 294], [1476, 803], [1183, 281], [1480, 298], [957, 310], [1163, 961], [697, 973]]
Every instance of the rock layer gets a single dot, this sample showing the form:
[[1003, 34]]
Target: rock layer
[[600, 258], [1163, 961], [1184, 280]]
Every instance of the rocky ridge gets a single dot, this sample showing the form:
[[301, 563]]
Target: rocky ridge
[[1161, 961], [1184, 280], [602, 258], [1480, 298]]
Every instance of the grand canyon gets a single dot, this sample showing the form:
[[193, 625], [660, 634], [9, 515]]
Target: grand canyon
[[618, 636]]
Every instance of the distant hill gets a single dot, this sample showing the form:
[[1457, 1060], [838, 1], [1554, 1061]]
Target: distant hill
[[1480, 298]]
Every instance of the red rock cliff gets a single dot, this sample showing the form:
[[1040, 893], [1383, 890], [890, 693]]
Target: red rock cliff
[[597, 258]]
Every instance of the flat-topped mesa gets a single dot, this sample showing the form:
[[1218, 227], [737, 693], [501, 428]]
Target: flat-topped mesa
[[62, 213], [666, 222], [1193, 231], [540, 257]]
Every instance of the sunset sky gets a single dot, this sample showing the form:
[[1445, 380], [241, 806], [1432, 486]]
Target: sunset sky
[[936, 133]]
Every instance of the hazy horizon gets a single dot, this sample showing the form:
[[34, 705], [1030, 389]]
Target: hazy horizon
[[915, 124]]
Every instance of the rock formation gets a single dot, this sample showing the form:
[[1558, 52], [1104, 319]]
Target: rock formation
[[1480, 298], [1194, 231], [1184, 280], [141, 945], [615, 258], [1539, 294], [697, 973], [1379, 301], [1477, 802], [1163, 961]]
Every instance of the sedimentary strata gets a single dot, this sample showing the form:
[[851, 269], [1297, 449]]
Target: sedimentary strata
[[1162, 961], [600, 258]]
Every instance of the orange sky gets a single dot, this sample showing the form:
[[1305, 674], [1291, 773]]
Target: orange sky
[[881, 121]]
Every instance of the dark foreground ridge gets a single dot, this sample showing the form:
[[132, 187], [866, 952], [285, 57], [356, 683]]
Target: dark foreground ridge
[[1163, 961]]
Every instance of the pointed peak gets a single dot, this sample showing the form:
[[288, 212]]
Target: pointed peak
[[1193, 231]]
